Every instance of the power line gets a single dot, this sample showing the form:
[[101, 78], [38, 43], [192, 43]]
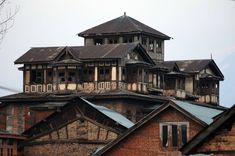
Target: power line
[[9, 89]]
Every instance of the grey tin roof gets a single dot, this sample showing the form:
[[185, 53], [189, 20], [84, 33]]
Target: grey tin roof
[[203, 113], [112, 114]]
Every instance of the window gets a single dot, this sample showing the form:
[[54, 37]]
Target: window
[[71, 76], [104, 74], [113, 41], [151, 46], [61, 76], [132, 75], [144, 41], [158, 44], [173, 134], [123, 74], [49, 76], [88, 74], [128, 39], [98, 41], [36, 76]]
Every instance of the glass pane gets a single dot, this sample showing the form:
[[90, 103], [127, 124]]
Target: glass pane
[[174, 136], [184, 134], [164, 136]]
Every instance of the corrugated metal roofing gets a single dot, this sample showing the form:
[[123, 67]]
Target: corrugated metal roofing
[[113, 115], [203, 113], [122, 25]]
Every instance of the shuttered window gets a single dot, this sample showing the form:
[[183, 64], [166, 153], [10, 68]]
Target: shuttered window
[[184, 134], [173, 134], [165, 136]]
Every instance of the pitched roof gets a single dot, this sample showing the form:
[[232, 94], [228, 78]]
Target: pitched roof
[[167, 66], [191, 65], [226, 117], [114, 120], [195, 66], [107, 51], [122, 25], [203, 113], [171, 103]]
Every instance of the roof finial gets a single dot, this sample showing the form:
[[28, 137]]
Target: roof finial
[[124, 13], [211, 57]]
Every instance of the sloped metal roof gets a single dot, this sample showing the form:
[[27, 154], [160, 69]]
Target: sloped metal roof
[[112, 114], [203, 113]]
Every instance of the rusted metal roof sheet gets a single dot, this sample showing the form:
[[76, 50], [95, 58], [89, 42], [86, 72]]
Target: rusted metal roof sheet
[[49, 54], [122, 25]]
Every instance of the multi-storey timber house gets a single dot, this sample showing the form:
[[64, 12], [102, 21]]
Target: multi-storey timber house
[[120, 66]]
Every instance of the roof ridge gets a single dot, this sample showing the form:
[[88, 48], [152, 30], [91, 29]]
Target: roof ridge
[[132, 22]]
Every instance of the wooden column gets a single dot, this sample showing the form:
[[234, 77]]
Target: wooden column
[[4, 148], [14, 148]]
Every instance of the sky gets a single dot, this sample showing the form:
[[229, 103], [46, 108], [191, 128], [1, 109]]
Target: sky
[[200, 29]]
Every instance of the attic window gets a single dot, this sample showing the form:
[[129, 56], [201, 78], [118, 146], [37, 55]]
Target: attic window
[[151, 46], [158, 44], [144, 41], [113, 41], [98, 41], [128, 39]]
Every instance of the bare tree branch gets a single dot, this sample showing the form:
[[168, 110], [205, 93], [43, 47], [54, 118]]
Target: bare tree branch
[[6, 17]]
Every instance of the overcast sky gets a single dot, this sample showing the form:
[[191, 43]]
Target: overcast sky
[[199, 28]]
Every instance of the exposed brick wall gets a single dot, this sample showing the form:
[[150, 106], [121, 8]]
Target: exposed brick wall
[[79, 130], [65, 141], [146, 140], [2, 118], [222, 141], [67, 149], [32, 117]]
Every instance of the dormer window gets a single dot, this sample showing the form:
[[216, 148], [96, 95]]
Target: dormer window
[[98, 41]]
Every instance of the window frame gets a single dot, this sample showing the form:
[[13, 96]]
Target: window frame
[[170, 135]]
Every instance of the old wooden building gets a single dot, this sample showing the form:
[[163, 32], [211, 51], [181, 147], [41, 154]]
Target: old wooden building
[[218, 139], [121, 66]]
